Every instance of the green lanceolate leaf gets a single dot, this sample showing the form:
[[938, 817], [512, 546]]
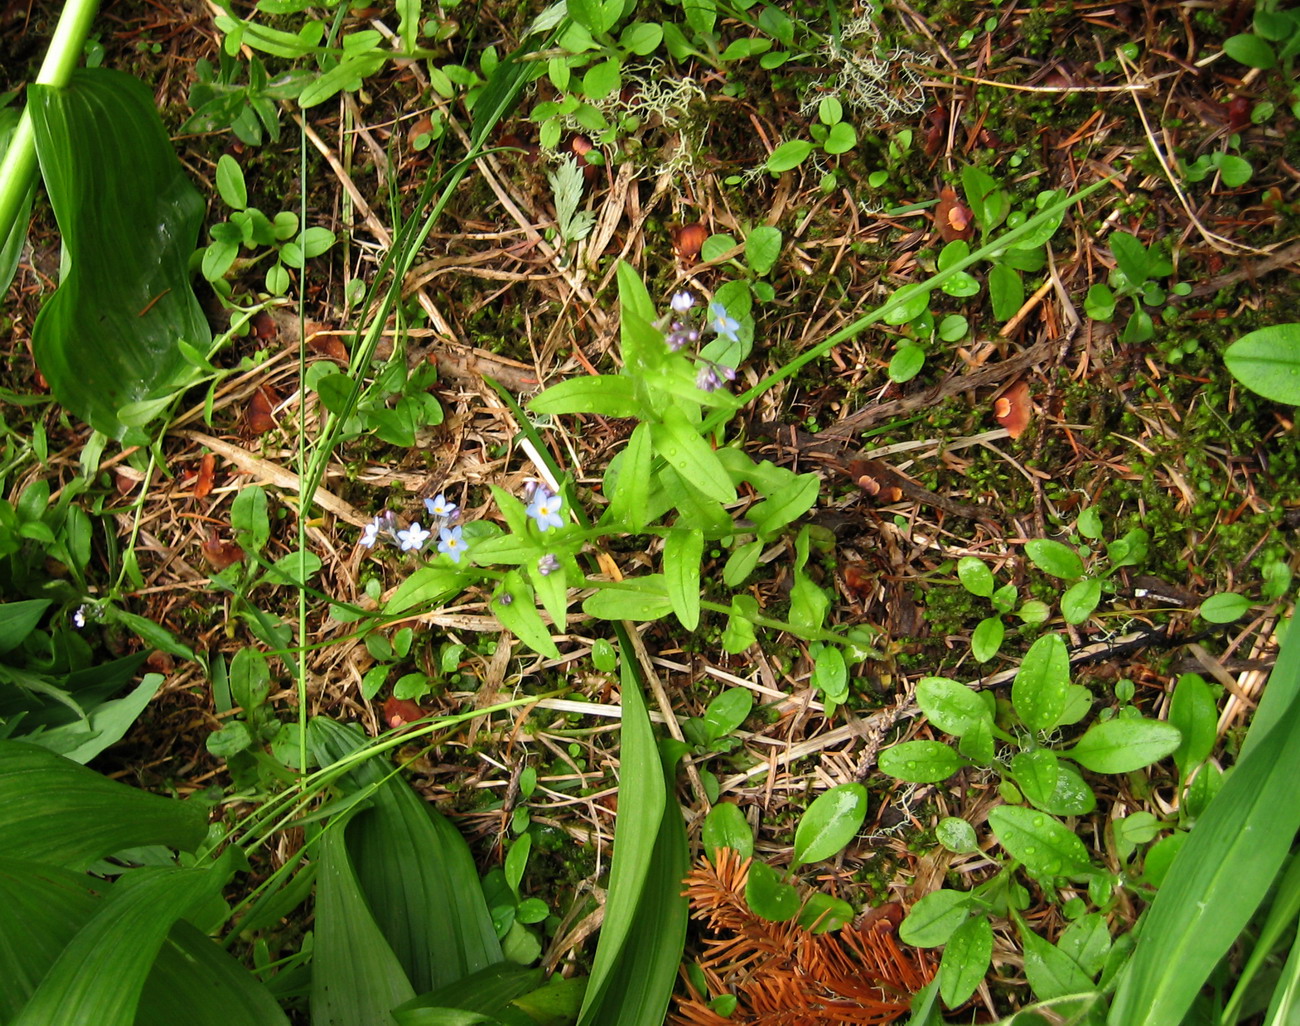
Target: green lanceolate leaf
[[514, 605], [98, 977], [130, 219], [921, 762], [414, 869], [679, 443], [606, 394], [965, 960], [683, 550], [726, 827], [949, 705]]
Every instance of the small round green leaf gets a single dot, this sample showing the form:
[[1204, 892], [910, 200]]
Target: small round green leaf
[[830, 823], [1054, 558], [986, 639], [789, 155], [230, 183], [1080, 599], [975, 576], [1225, 607], [769, 898], [906, 363], [1250, 50], [934, 919], [726, 827], [956, 835], [1267, 361]]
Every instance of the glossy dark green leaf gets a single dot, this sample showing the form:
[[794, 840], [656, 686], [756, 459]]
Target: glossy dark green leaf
[[129, 219], [1193, 712], [920, 762], [950, 705], [1041, 685], [62, 814]]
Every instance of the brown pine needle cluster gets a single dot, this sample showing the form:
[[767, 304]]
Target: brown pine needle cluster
[[783, 974]]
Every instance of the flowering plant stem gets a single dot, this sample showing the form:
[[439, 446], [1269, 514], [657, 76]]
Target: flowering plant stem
[[18, 167]]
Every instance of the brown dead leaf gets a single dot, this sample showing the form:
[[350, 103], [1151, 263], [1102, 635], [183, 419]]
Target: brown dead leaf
[[325, 342]]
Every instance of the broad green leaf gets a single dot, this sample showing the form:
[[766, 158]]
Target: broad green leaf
[[62, 814], [906, 363], [740, 564], [965, 960], [1131, 257], [949, 705], [920, 762], [739, 632], [786, 504], [1193, 712], [1225, 607], [636, 598], [596, 16], [935, 918], [1054, 558], [129, 220], [514, 605], [1121, 745], [1050, 971], [609, 395], [230, 182], [1041, 684], [975, 576], [767, 896], [414, 874], [841, 138], [249, 518], [830, 823], [1046, 846], [679, 443], [1087, 942], [356, 977], [97, 978], [1061, 793], [19, 619], [726, 827], [906, 304], [602, 79], [108, 724], [683, 552], [344, 77], [1249, 49], [956, 835], [830, 674], [821, 913]]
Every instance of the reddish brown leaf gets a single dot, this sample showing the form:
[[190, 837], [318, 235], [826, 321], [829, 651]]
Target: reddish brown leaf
[[1013, 409], [160, 662], [858, 581], [398, 712], [936, 130], [687, 241], [325, 342], [1238, 113], [263, 326], [207, 469], [952, 218], [258, 417], [220, 554]]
